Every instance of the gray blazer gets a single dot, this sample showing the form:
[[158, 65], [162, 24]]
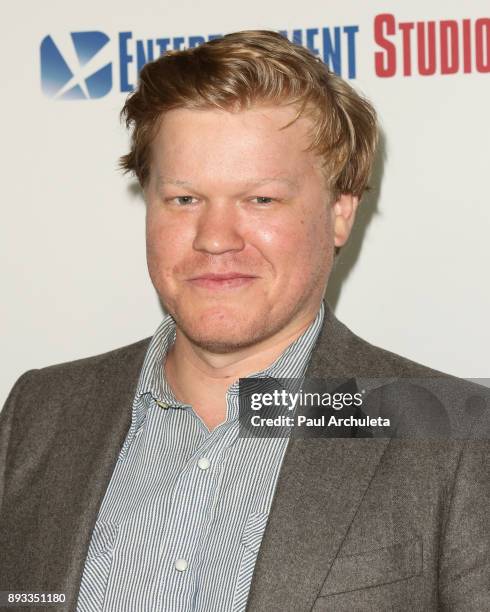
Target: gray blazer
[[355, 525]]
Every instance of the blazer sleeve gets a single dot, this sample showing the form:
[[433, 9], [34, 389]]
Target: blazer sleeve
[[464, 579], [7, 420]]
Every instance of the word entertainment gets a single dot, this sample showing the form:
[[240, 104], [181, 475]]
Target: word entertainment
[[333, 421]]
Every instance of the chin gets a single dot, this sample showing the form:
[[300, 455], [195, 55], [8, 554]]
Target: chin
[[222, 340], [222, 330]]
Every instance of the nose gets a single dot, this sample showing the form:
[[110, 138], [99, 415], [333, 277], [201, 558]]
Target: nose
[[218, 228]]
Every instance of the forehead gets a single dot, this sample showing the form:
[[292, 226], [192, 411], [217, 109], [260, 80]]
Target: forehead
[[262, 139]]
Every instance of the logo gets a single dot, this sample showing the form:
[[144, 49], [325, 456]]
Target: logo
[[80, 65], [76, 68]]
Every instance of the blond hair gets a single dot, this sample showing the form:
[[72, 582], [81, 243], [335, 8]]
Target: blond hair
[[251, 68]]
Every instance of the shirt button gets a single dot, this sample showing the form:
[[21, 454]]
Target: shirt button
[[181, 565], [203, 463]]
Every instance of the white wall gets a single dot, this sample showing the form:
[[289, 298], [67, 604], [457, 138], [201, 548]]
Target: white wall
[[72, 236]]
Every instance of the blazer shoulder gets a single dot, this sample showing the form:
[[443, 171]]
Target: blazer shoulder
[[341, 351], [354, 355], [390, 362], [123, 354], [78, 377], [362, 359]]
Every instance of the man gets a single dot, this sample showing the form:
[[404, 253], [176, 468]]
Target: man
[[125, 482]]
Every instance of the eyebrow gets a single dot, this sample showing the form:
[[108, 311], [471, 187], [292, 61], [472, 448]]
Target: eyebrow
[[165, 180]]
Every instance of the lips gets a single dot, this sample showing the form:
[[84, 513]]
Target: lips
[[222, 277], [228, 280]]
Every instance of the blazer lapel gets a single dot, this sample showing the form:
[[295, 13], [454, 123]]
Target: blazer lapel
[[320, 486], [77, 476]]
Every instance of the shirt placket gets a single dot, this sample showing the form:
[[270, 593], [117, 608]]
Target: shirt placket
[[193, 505]]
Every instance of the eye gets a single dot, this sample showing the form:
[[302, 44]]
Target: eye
[[263, 199], [184, 200]]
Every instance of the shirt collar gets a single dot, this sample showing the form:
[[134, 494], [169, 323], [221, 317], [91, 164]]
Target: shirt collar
[[152, 382]]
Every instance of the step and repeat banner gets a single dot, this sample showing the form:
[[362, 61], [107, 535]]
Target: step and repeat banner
[[414, 276]]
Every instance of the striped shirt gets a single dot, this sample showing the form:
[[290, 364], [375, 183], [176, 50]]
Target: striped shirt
[[183, 516]]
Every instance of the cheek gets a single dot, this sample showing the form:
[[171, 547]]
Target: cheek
[[165, 245], [297, 242], [320, 236]]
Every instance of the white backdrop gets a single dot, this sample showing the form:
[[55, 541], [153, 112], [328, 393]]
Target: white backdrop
[[414, 278]]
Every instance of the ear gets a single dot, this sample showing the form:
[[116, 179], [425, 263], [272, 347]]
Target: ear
[[344, 210]]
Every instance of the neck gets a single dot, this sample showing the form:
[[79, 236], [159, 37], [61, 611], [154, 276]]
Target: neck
[[201, 378]]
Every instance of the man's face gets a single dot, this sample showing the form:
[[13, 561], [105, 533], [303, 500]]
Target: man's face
[[240, 226]]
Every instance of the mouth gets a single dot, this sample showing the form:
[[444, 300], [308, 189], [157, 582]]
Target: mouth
[[230, 280]]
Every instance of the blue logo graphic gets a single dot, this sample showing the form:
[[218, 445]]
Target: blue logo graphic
[[80, 70]]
